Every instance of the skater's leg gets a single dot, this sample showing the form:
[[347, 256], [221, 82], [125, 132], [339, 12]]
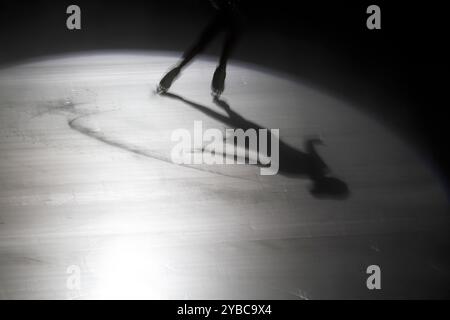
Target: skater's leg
[[231, 38], [208, 34], [206, 37]]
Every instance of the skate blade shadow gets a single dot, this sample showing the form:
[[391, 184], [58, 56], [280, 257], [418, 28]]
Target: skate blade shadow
[[294, 163]]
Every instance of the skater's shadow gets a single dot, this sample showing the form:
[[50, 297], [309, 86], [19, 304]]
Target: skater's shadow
[[293, 162]]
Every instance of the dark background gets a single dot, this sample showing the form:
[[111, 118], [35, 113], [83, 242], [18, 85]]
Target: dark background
[[397, 74]]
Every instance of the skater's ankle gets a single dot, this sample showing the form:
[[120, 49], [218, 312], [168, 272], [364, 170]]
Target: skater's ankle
[[176, 68]]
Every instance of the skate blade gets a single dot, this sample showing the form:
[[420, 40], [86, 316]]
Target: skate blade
[[216, 94], [161, 90]]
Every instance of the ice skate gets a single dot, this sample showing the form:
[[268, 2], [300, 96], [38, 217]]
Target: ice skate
[[218, 82], [167, 80]]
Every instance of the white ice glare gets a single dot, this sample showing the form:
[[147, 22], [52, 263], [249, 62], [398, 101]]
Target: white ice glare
[[87, 180]]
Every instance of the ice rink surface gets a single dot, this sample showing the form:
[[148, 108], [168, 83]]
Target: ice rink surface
[[87, 184]]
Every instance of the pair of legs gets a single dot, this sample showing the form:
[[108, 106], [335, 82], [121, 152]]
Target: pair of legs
[[226, 20]]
